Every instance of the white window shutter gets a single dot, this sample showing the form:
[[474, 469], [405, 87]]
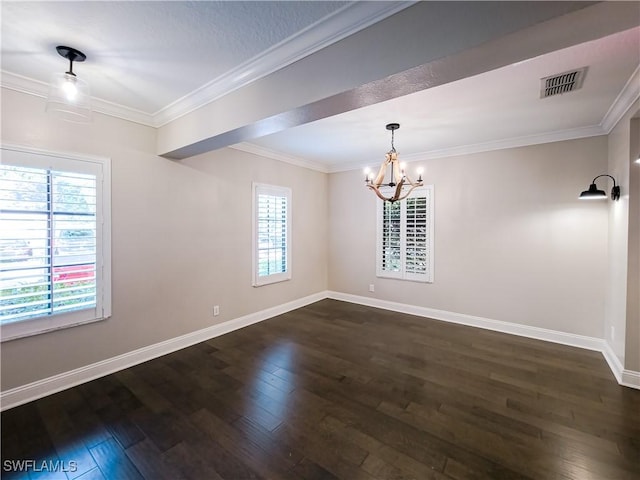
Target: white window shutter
[[405, 237], [271, 234], [54, 260]]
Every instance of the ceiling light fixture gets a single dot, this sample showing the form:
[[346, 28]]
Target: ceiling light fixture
[[400, 185], [595, 194], [69, 96]]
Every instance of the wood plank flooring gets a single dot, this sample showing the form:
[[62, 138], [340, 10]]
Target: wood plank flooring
[[337, 390]]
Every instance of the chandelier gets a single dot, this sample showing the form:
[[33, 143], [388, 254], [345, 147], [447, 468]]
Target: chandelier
[[399, 184]]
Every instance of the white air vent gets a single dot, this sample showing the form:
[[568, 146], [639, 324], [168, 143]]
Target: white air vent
[[562, 82]]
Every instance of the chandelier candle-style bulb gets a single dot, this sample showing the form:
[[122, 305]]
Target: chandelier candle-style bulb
[[399, 185]]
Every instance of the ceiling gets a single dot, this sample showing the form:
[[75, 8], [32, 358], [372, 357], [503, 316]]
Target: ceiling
[[146, 57], [151, 62], [497, 109]]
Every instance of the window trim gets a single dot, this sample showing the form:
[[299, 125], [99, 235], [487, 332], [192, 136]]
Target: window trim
[[39, 158], [257, 188], [428, 277]]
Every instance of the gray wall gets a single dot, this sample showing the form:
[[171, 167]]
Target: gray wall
[[623, 291], [181, 239], [632, 345], [512, 240]]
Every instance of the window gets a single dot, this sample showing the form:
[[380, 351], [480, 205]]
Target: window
[[271, 234], [405, 237], [54, 241]]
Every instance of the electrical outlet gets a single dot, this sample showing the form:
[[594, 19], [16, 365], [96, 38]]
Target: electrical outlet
[[372, 287], [216, 310]]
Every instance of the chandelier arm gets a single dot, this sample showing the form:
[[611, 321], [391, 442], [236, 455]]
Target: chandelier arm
[[378, 193], [383, 169], [396, 195], [407, 194], [412, 183]]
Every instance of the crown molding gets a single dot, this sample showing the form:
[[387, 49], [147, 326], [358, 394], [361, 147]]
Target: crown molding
[[22, 84], [627, 96], [119, 111], [340, 24], [282, 157], [36, 88], [559, 136]]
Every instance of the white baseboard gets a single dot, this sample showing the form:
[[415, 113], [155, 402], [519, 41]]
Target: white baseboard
[[613, 361], [47, 386], [628, 378], [41, 388]]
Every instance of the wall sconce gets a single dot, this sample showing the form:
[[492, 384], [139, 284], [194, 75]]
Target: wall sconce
[[69, 96], [594, 194]]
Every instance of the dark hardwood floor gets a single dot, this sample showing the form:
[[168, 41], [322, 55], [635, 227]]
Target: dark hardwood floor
[[336, 390]]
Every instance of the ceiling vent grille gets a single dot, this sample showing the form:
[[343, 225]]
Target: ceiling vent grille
[[562, 82]]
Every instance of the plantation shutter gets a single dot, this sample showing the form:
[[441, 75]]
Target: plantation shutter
[[391, 261], [51, 253], [272, 214], [48, 242], [417, 237], [405, 237]]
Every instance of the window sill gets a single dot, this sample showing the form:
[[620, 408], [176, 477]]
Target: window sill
[[37, 326], [269, 281]]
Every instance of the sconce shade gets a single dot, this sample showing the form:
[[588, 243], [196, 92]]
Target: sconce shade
[[69, 96], [593, 193]]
